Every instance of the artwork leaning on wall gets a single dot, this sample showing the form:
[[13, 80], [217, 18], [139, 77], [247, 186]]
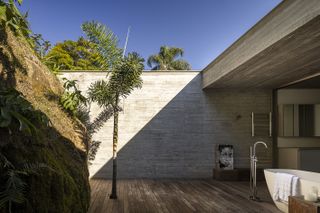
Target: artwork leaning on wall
[[225, 157]]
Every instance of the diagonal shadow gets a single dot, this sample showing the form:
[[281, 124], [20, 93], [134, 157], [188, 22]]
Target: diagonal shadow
[[178, 142]]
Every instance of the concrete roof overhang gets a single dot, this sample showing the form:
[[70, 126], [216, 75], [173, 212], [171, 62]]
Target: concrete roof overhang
[[282, 48]]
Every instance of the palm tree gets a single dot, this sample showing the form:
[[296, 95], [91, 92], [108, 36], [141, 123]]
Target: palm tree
[[166, 59], [123, 78]]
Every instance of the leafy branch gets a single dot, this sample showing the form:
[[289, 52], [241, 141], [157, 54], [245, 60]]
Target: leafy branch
[[72, 97]]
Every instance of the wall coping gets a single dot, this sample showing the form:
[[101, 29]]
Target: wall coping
[[145, 72]]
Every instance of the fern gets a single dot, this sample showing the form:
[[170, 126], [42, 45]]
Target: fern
[[4, 162], [14, 189]]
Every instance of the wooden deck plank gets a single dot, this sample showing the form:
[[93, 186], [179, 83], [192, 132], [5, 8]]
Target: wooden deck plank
[[103, 199], [157, 197], [170, 196], [101, 190]]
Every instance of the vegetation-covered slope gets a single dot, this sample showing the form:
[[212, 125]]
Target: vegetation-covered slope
[[64, 187]]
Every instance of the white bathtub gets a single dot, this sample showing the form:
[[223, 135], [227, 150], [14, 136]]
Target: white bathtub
[[307, 181]]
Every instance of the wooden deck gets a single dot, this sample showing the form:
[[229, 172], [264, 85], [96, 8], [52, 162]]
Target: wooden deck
[[183, 196]]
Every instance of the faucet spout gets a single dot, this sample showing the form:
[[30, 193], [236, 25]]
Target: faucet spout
[[256, 143]]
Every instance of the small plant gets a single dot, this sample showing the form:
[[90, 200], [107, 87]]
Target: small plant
[[72, 97], [17, 113]]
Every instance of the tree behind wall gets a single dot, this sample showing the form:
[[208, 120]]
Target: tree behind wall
[[166, 59], [75, 55]]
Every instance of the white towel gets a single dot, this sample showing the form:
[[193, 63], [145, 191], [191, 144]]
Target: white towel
[[285, 185], [295, 190]]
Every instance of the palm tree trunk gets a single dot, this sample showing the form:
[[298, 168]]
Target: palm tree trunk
[[114, 153]]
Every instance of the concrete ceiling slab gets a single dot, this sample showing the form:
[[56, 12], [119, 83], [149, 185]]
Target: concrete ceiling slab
[[288, 59]]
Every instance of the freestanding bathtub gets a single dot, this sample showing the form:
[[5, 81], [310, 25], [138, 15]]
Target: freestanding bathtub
[[307, 181]]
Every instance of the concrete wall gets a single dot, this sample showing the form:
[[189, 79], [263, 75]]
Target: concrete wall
[[168, 129]]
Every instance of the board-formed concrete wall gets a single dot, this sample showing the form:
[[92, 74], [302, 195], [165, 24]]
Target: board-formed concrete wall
[[169, 127]]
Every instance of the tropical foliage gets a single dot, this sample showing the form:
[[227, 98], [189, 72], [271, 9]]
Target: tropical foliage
[[74, 55], [124, 76], [168, 59], [97, 51], [10, 16], [17, 114], [72, 97]]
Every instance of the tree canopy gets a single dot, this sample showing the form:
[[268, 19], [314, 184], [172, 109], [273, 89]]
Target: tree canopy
[[74, 55], [168, 59]]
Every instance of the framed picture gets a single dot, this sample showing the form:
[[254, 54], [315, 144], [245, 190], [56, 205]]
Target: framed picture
[[224, 157]]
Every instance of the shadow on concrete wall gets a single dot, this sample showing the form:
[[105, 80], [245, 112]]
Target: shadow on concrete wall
[[179, 141]]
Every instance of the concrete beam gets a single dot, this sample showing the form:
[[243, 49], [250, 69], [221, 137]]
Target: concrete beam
[[287, 38]]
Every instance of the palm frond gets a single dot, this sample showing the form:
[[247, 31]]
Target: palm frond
[[93, 149], [99, 92], [176, 52], [98, 122], [127, 76], [106, 41], [153, 59]]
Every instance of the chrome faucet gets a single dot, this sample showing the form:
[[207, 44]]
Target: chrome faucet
[[253, 170]]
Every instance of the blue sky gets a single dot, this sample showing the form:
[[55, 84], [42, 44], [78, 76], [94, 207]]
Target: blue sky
[[203, 28]]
